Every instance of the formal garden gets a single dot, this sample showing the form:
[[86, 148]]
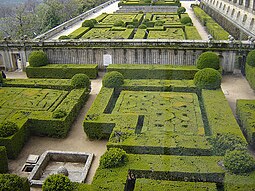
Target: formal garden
[[149, 2], [137, 26], [166, 125]]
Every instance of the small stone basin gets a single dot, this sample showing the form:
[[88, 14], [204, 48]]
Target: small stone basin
[[76, 163]]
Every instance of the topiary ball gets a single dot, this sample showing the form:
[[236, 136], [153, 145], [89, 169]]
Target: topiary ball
[[251, 58], [8, 128], [88, 23], [207, 78], [114, 157], [11, 182], [113, 79], [57, 182], [239, 162], [186, 20], [37, 58], [80, 81], [181, 10], [208, 60]]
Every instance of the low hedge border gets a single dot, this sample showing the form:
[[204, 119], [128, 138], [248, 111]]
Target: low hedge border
[[246, 115], [3, 160], [181, 168], [62, 71], [41, 123], [59, 84], [213, 28], [15, 143], [148, 71], [217, 117], [250, 75]]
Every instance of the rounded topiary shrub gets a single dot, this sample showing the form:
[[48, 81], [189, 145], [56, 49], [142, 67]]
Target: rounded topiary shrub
[[223, 142], [114, 157], [80, 81], [8, 128], [208, 60], [88, 23], [11, 182], [37, 58], [113, 79], [239, 162], [251, 58], [181, 10], [186, 20], [119, 23], [207, 78], [57, 182], [94, 21], [57, 114]]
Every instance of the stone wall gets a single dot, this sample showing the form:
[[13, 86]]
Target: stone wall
[[126, 51]]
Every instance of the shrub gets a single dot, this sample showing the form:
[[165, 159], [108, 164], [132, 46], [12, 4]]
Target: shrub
[[63, 37], [251, 58], [186, 20], [57, 182], [57, 114], [37, 58], [142, 26], [88, 23], [3, 160], [208, 60], [181, 10], [8, 129], [223, 142], [239, 162], [80, 81], [114, 157], [207, 78], [119, 23], [113, 79], [94, 21], [11, 182], [1, 78]]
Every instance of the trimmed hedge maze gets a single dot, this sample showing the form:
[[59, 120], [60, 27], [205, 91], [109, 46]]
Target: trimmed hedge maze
[[35, 110], [137, 26], [165, 125], [149, 3]]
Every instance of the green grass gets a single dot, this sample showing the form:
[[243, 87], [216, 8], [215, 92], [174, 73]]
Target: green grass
[[169, 33]]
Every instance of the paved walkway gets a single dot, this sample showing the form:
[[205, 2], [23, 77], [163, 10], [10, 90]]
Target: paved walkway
[[200, 28]]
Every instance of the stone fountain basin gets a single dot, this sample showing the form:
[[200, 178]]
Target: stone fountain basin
[[77, 164]]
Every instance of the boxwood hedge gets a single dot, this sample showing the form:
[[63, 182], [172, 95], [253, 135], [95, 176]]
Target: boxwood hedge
[[62, 71], [3, 160]]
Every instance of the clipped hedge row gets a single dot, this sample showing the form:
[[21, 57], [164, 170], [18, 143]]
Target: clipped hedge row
[[59, 84], [15, 143], [213, 28], [181, 168], [42, 123], [94, 128], [250, 75], [217, 117], [62, 71], [148, 71], [78, 33], [3, 160], [246, 115]]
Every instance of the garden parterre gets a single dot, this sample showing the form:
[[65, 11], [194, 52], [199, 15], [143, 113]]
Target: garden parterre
[[139, 117]]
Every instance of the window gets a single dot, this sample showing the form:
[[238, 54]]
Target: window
[[233, 12], [220, 5], [238, 15], [228, 9], [247, 3], [244, 18], [240, 2], [252, 23], [224, 7]]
